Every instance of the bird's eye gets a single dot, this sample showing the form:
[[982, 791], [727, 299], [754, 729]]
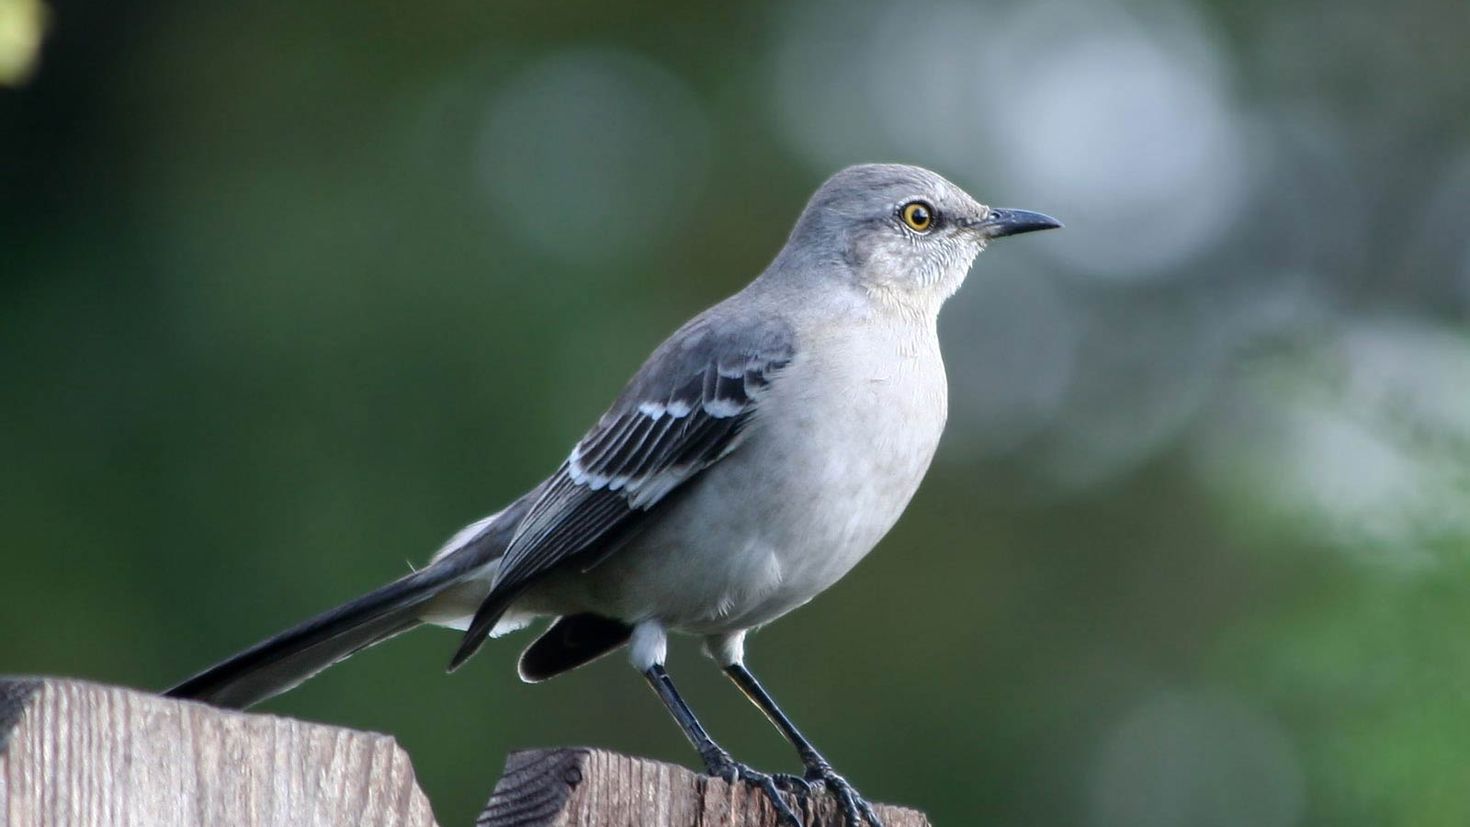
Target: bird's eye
[[918, 215]]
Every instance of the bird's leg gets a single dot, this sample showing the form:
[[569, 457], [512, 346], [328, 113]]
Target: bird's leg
[[854, 808], [717, 761]]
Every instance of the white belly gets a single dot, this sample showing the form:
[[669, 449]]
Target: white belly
[[829, 465]]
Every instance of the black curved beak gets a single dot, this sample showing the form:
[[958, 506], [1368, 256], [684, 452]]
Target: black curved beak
[[1003, 222]]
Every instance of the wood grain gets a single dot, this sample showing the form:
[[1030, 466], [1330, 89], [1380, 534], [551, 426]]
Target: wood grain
[[594, 788], [80, 754], [77, 754]]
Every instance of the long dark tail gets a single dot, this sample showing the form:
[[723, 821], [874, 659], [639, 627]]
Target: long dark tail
[[281, 662]]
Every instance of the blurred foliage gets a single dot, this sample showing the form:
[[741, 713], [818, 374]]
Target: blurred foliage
[[290, 292]]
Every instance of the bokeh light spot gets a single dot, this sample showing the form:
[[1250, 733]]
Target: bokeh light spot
[[593, 154]]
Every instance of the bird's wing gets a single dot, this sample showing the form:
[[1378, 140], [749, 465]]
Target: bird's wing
[[685, 409]]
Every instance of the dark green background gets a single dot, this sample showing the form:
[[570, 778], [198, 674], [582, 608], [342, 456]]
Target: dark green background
[[290, 292]]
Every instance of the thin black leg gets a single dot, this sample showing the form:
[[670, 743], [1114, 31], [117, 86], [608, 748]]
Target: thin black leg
[[717, 761], [818, 768], [715, 757]]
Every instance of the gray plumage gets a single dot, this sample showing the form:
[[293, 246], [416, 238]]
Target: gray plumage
[[756, 456]]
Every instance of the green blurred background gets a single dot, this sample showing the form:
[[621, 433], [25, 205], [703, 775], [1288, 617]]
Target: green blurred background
[[289, 292]]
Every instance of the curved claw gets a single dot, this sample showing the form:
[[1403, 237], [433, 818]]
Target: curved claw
[[855, 810], [733, 771], [797, 785]]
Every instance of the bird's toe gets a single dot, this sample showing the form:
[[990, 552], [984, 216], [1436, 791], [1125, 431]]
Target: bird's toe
[[771, 785], [855, 809]]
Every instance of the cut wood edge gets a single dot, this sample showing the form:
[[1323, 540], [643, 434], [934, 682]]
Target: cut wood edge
[[15, 695], [80, 753], [588, 787]]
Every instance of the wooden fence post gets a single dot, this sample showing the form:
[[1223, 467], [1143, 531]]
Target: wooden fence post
[[580, 787], [78, 754]]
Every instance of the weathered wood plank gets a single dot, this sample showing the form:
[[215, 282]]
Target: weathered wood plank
[[594, 788], [79, 754]]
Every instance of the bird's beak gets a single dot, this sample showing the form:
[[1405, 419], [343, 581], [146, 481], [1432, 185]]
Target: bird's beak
[[1002, 222]]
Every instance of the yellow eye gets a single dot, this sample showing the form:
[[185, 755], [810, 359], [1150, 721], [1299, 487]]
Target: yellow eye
[[918, 215]]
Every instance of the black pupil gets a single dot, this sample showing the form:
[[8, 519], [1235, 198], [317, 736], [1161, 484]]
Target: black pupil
[[918, 215]]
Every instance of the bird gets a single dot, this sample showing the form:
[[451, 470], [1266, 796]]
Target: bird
[[754, 459]]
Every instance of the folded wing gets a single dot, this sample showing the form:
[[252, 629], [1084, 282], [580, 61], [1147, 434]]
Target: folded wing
[[687, 408]]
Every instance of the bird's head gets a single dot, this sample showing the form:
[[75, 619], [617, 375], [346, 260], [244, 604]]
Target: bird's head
[[903, 233]]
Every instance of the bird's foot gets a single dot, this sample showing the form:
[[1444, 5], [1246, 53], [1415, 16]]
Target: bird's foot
[[723, 766], [797, 785], [855, 810]]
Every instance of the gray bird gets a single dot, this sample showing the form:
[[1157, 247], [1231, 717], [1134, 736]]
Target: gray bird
[[752, 461]]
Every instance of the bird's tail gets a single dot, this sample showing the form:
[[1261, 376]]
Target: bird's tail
[[281, 662]]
